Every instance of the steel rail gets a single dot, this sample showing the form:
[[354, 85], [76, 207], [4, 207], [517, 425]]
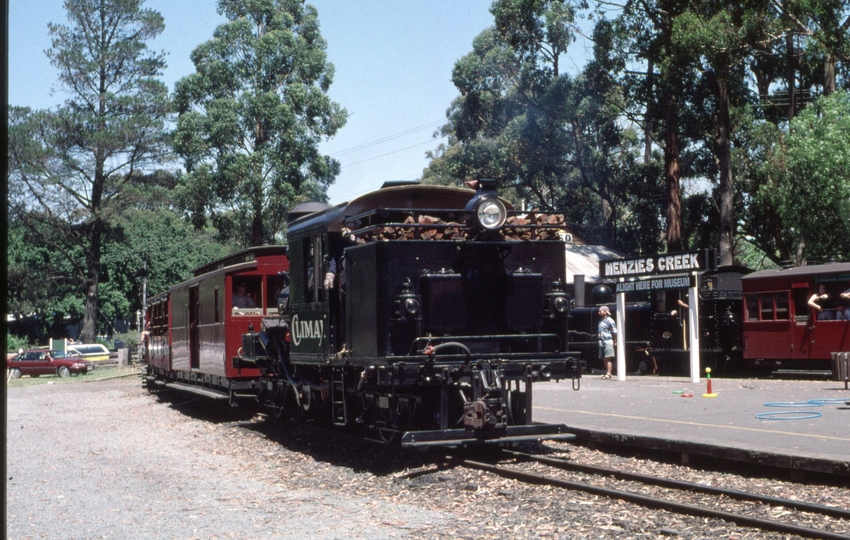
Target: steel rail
[[687, 486], [650, 502]]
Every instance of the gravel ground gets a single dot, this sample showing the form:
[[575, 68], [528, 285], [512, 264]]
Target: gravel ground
[[106, 459]]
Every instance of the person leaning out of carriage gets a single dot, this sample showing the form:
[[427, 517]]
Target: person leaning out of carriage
[[822, 304]]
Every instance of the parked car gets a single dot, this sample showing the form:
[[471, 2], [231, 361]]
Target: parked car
[[93, 352], [40, 362]]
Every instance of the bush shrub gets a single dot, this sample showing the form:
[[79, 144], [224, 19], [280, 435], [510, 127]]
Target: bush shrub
[[15, 343]]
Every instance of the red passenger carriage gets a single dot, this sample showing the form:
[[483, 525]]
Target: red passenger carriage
[[780, 330], [195, 328]]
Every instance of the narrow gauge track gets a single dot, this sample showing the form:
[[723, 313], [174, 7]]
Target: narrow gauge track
[[658, 503]]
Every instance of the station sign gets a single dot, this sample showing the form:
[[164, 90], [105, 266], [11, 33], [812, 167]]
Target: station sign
[[656, 284], [653, 265]]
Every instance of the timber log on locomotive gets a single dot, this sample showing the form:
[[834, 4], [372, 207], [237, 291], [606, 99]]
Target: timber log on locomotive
[[418, 314]]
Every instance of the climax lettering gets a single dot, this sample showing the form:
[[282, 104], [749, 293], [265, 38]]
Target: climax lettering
[[306, 330]]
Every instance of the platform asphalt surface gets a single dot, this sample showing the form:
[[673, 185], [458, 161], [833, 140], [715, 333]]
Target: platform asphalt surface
[[799, 425]]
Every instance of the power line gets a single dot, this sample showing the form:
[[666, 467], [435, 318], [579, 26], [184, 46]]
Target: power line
[[388, 138], [388, 153]]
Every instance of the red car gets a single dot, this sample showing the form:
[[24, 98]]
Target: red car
[[42, 362]]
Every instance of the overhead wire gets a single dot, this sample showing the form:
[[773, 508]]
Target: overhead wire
[[389, 153], [387, 138]]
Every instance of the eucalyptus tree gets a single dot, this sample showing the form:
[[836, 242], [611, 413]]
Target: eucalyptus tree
[[719, 39], [798, 191], [551, 139], [639, 55], [70, 167], [252, 116]]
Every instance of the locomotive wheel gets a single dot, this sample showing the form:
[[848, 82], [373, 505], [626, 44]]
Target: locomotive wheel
[[305, 398], [279, 406], [292, 406]]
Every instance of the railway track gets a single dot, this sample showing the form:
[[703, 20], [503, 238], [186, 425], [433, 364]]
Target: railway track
[[633, 481]]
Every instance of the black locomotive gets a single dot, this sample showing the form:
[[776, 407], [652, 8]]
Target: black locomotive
[[418, 314], [656, 325]]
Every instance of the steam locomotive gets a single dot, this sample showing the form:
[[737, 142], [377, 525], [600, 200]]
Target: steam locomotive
[[420, 315], [416, 315]]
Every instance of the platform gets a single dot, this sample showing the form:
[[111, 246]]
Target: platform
[[745, 422]]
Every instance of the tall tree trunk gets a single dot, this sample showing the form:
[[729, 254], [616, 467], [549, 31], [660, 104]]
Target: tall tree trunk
[[88, 332], [257, 230], [791, 76], [670, 81], [829, 75], [724, 155], [672, 174], [648, 118], [93, 263]]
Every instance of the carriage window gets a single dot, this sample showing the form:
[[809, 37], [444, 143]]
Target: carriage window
[[247, 295], [767, 307], [752, 307], [782, 306], [801, 304], [217, 306]]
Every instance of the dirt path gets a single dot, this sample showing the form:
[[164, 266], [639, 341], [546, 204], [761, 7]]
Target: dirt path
[[107, 460]]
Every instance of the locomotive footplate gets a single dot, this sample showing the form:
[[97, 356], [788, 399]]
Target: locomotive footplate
[[464, 437]]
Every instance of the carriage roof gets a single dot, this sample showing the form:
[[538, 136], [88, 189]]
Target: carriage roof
[[801, 271]]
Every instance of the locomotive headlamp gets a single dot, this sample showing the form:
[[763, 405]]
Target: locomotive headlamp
[[407, 304], [561, 304], [488, 211], [558, 300], [412, 307]]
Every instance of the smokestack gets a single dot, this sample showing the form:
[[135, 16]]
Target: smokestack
[[578, 292]]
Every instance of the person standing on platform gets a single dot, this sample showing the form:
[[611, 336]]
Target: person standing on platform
[[607, 333]]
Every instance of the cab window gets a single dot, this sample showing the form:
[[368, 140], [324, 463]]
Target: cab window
[[276, 290]]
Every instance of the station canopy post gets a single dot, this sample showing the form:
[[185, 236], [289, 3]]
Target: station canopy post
[[693, 328], [621, 336]]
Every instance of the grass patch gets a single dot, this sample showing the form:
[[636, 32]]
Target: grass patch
[[99, 374]]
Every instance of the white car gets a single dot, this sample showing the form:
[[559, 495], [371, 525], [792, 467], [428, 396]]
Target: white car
[[94, 352]]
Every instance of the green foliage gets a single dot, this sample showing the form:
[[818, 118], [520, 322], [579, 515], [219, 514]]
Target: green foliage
[[814, 198], [15, 343], [160, 244], [798, 193], [251, 119]]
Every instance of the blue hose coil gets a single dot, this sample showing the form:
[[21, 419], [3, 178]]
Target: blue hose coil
[[800, 415], [810, 403]]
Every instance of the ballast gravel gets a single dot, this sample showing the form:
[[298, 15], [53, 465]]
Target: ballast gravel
[[111, 460]]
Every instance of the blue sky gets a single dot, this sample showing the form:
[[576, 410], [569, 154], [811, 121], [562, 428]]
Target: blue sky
[[393, 61]]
